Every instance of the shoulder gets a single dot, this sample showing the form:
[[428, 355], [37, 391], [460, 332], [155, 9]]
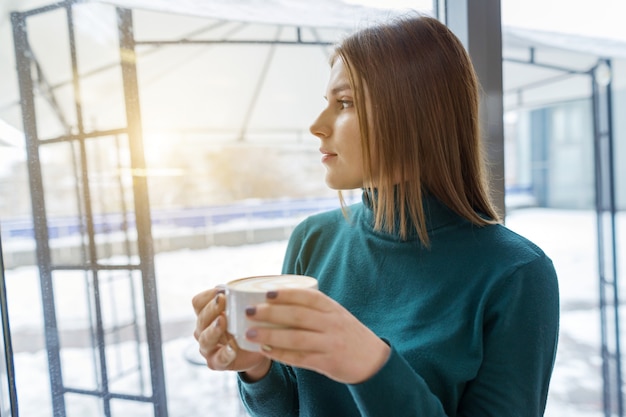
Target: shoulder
[[499, 256], [523, 264], [512, 244], [503, 246], [327, 222]]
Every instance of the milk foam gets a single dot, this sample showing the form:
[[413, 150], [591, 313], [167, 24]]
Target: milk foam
[[267, 283]]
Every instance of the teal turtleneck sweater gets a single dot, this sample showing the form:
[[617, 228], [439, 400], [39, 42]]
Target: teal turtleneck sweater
[[472, 320]]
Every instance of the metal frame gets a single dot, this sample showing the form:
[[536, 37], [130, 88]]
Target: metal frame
[[600, 76], [142, 209], [7, 348], [23, 63], [94, 270], [613, 395]]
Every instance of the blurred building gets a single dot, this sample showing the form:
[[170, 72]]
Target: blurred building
[[549, 115]]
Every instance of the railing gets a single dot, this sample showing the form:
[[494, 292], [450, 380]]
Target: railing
[[198, 217], [203, 217]]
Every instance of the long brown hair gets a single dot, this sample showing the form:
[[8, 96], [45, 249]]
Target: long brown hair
[[424, 128]]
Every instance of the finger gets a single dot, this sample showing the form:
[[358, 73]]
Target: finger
[[200, 300], [209, 313], [302, 359], [301, 296], [295, 348], [210, 337], [287, 339], [289, 315], [224, 357], [215, 346]]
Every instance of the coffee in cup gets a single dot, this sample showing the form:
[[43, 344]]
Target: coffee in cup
[[245, 292]]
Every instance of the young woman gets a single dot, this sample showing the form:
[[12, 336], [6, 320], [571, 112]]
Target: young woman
[[428, 306]]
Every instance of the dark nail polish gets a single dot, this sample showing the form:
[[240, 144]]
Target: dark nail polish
[[251, 334], [272, 294], [250, 311]]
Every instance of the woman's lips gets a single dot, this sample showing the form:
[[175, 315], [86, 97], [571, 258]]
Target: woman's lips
[[327, 156]]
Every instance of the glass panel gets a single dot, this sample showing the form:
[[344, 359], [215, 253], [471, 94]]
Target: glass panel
[[129, 369], [54, 96], [124, 324], [76, 323], [33, 382], [83, 406], [131, 408]]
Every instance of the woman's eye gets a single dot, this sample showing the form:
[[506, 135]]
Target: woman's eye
[[344, 104]]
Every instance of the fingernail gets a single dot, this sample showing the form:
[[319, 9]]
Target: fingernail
[[229, 354], [251, 333], [250, 311], [221, 291], [217, 299], [266, 348], [272, 294], [217, 322]]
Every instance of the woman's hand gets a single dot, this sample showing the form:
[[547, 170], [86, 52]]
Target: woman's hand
[[321, 336], [218, 347]]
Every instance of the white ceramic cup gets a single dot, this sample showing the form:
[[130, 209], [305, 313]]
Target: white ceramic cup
[[246, 292]]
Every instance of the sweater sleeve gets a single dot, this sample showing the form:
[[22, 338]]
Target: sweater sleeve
[[273, 395], [396, 387], [520, 334], [520, 331]]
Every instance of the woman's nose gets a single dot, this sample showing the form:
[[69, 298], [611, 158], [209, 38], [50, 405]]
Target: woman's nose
[[319, 127]]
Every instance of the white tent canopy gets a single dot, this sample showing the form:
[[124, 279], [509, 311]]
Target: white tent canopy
[[241, 88], [316, 14], [233, 85]]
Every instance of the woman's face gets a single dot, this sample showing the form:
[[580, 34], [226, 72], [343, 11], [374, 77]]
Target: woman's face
[[337, 127]]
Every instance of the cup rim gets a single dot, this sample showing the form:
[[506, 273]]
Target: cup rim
[[231, 285]]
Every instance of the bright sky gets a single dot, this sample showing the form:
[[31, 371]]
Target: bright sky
[[392, 4], [595, 18]]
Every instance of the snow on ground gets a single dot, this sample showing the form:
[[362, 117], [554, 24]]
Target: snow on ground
[[568, 237]]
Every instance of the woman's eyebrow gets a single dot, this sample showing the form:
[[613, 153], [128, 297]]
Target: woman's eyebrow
[[340, 88]]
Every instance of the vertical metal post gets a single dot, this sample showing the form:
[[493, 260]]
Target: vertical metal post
[[40, 223], [477, 23], [613, 400], [92, 261], [8, 345], [439, 9], [128, 59]]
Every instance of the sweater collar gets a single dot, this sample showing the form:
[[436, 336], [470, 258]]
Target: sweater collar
[[437, 214]]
